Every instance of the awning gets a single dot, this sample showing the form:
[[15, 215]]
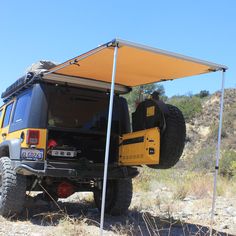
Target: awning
[[136, 65], [130, 64]]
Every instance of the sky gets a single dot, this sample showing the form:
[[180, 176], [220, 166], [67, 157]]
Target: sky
[[59, 30]]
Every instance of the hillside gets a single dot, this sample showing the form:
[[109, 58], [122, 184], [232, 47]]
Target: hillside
[[202, 129]]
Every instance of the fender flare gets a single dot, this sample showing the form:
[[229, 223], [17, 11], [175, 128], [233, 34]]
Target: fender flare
[[11, 148]]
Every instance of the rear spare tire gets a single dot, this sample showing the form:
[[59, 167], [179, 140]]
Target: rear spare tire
[[118, 196], [12, 189], [172, 139]]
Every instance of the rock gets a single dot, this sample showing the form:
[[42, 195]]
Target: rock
[[231, 211], [225, 226], [189, 198]]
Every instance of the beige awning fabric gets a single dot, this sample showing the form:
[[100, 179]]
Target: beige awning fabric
[[136, 65]]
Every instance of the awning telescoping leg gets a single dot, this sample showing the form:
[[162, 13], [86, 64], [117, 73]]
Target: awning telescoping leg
[[218, 150], [108, 140]]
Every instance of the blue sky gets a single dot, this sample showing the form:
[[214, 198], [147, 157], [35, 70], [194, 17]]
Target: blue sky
[[59, 30]]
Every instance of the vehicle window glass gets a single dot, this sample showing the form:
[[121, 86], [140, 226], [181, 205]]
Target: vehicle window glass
[[20, 110], [7, 115], [83, 112], [0, 117]]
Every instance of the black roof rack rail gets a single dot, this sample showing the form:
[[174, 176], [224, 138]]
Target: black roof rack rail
[[21, 84]]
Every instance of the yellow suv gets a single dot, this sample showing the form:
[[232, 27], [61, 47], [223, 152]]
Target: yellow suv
[[53, 136]]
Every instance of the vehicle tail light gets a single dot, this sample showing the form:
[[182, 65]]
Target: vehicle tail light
[[32, 137]]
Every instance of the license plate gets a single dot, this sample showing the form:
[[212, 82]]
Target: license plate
[[32, 154]]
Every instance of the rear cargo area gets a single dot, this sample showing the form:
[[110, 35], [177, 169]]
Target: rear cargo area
[[90, 146], [77, 123]]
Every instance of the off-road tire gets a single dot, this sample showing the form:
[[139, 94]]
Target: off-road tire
[[172, 139], [12, 189], [118, 196]]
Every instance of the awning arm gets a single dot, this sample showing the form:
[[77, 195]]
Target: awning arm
[[108, 136], [218, 149]]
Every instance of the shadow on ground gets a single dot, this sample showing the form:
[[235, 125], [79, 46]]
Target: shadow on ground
[[135, 223]]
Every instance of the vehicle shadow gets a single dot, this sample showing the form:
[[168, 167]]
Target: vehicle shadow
[[135, 223]]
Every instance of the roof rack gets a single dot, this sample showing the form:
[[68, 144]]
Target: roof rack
[[21, 84]]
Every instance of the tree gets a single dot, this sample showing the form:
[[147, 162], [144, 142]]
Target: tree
[[203, 93], [141, 92], [150, 88]]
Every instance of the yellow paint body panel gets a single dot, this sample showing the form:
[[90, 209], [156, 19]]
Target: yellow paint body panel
[[140, 148], [17, 134], [42, 138]]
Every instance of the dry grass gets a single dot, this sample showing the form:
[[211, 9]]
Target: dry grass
[[150, 225], [185, 195], [182, 184], [123, 229], [69, 226], [226, 187]]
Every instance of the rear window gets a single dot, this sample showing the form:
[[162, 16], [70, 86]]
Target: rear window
[[72, 109], [21, 105], [7, 116]]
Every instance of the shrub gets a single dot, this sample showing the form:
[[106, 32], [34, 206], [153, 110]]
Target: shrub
[[203, 93], [203, 161], [190, 106], [228, 163], [181, 191]]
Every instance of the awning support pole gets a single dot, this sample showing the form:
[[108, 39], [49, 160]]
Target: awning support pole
[[108, 140], [218, 150]]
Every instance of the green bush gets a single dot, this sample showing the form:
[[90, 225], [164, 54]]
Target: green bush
[[228, 163], [204, 160], [203, 93], [190, 106], [214, 132]]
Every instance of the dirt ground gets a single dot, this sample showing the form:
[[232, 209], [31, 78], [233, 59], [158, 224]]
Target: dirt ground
[[78, 216]]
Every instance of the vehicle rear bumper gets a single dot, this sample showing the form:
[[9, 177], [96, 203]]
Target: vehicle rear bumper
[[60, 169]]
